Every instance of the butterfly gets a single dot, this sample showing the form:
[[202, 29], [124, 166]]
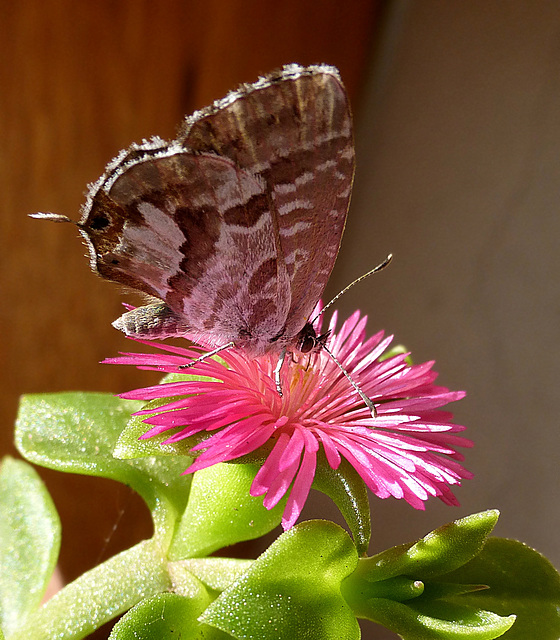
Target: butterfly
[[234, 226]]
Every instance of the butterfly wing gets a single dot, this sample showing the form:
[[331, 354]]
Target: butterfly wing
[[293, 129], [195, 231], [235, 225]]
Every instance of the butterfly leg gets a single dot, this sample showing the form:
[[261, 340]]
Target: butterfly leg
[[208, 354], [277, 370]]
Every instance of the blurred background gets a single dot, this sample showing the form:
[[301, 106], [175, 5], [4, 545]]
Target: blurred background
[[457, 114]]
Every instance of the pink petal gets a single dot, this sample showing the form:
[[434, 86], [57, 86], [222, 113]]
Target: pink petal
[[409, 451], [302, 484]]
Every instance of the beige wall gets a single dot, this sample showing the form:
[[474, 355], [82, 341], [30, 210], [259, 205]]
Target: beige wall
[[459, 176]]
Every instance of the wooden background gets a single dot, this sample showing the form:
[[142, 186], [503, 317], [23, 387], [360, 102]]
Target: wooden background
[[458, 140], [78, 82]]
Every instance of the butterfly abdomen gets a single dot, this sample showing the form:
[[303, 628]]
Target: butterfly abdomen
[[151, 321]]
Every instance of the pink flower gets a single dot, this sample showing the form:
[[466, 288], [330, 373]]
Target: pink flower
[[408, 451]]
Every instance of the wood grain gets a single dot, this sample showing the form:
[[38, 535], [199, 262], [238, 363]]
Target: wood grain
[[79, 81]]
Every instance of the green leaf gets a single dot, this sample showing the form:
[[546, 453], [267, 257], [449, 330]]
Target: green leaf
[[29, 542], [221, 512], [521, 581], [130, 446], [76, 432], [396, 587], [293, 589], [439, 552], [215, 573], [166, 615], [439, 621], [73, 431], [101, 594], [396, 350], [348, 491]]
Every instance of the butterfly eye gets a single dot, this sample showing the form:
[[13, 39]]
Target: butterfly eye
[[99, 223], [306, 339], [307, 344]]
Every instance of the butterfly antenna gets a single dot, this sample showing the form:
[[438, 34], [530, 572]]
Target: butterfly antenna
[[208, 354], [368, 401], [366, 275], [54, 217]]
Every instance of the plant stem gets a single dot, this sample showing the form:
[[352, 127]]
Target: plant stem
[[100, 594]]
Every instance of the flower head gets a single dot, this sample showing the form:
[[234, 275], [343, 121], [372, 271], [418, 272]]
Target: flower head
[[407, 451]]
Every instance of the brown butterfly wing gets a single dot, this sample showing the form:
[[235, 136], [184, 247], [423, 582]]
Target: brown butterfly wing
[[235, 225], [293, 129], [195, 231]]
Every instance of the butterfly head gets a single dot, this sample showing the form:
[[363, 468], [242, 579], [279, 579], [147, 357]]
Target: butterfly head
[[308, 340]]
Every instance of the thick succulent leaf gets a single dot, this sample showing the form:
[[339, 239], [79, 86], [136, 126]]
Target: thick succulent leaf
[[215, 573], [437, 553], [166, 616], [129, 444], [442, 621], [76, 432], [348, 491], [293, 589], [73, 431], [521, 581], [101, 594], [221, 512], [396, 588], [29, 542]]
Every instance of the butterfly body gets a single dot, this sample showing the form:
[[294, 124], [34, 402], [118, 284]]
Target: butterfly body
[[234, 227]]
